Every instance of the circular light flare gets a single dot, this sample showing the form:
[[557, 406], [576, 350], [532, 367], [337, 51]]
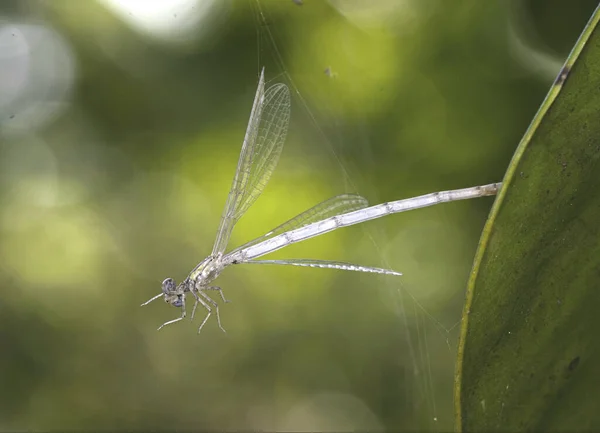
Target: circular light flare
[[168, 20], [14, 58], [37, 73]]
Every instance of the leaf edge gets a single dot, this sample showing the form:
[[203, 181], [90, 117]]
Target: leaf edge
[[547, 103]]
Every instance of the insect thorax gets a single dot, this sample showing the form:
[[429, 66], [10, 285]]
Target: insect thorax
[[206, 272]]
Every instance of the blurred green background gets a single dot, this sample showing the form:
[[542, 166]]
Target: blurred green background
[[120, 126]]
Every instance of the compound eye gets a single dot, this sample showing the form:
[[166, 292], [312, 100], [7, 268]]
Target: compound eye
[[168, 285], [178, 302]]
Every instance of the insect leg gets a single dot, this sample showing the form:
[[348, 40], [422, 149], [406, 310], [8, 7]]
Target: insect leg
[[219, 290], [175, 320], [214, 304], [205, 305]]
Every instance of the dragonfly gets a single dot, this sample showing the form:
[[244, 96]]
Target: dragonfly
[[261, 149]]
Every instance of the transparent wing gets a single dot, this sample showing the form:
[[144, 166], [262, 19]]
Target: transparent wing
[[260, 153], [269, 143], [240, 179], [334, 206], [325, 264]]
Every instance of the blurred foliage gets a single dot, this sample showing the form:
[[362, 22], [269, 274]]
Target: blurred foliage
[[117, 148], [529, 352]]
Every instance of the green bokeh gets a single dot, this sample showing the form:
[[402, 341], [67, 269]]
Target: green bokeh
[[125, 188]]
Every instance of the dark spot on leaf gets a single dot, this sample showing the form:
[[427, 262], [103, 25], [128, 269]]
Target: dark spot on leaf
[[562, 76], [574, 363]]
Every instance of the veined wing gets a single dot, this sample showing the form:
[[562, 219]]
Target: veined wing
[[325, 264], [337, 205], [260, 153]]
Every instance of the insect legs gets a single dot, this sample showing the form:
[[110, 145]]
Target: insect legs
[[203, 298], [183, 314]]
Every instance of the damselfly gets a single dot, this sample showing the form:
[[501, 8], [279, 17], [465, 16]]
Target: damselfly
[[260, 153]]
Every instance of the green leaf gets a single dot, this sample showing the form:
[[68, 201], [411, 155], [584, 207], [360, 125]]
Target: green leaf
[[529, 354]]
